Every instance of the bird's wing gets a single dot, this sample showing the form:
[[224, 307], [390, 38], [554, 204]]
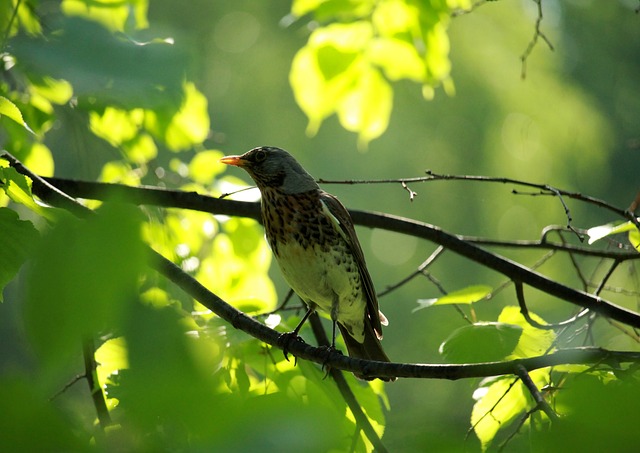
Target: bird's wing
[[341, 217]]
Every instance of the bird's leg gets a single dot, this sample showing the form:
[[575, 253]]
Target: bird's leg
[[286, 338]]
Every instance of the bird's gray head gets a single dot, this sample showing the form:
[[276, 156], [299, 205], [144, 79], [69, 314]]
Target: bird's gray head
[[275, 168]]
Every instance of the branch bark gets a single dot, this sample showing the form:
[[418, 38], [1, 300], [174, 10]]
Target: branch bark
[[302, 350]]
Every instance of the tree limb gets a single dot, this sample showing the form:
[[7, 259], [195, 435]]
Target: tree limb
[[302, 350]]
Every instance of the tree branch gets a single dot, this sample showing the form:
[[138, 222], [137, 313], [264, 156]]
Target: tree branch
[[302, 350], [511, 269], [361, 419], [541, 403], [90, 373]]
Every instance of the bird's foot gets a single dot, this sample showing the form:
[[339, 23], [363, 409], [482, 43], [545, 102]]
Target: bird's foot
[[328, 350], [284, 341]]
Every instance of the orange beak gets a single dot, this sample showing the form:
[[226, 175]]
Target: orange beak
[[236, 161]]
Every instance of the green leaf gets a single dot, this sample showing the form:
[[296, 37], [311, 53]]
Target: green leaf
[[205, 166], [324, 72], [595, 416], [533, 342], [499, 401], [17, 243], [83, 277], [182, 128], [18, 189], [113, 14], [9, 109], [481, 342], [103, 66], [599, 232], [634, 238], [30, 422], [466, 295], [366, 107], [398, 59]]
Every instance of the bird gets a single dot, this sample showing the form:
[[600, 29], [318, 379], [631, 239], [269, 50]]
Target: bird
[[314, 242]]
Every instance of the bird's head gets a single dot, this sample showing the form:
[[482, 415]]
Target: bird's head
[[274, 168]]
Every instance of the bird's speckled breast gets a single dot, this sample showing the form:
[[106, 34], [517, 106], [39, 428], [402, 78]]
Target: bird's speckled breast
[[314, 257]]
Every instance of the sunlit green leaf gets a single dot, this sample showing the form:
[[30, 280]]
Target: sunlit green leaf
[[366, 108], [481, 342], [9, 109], [499, 401], [119, 172], [398, 59], [106, 67], [323, 72], [113, 14], [205, 166], [140, 149], [116, 125], [82, 278], [17, 242], [634, 238], [25, 18], [185, 127], [467, 295], [533, 341], [18, 188], [397, 18], [39, 160], [599, 232], [111, 357], [56, 91]]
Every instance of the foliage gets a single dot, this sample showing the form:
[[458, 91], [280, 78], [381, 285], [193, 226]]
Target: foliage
[[348, 63], [175, 376]]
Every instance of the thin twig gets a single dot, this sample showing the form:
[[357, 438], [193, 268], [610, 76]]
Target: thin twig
[[525, 312], [534, 41], [388, 222], [338, 377], [541, 403], [7, 32], [420, 270], [97, 395]]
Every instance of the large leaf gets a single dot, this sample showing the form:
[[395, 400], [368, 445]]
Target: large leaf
[[468, 295], [82, 279], [9, 109], [17, 242], [481, 342], [107, 68]]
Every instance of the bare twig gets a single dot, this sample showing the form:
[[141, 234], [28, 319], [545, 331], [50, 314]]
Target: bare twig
[[525, 313], [90, 372], [420, 270], [541, 403], [455, 243], [361, 419], [538, 34]]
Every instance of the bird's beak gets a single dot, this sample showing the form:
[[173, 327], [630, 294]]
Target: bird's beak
[[233, 160]]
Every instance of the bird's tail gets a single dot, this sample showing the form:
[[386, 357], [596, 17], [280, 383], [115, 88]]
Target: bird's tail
[[369, 349]]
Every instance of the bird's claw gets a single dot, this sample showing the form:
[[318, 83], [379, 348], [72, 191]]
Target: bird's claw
[[328, 350], [284, 341]]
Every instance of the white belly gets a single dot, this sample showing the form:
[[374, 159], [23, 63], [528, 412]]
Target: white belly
[[324, 279]]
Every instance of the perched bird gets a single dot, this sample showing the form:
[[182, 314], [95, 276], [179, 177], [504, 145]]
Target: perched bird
[[314, 241]]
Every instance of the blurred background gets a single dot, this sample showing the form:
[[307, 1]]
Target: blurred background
[[572, 122]]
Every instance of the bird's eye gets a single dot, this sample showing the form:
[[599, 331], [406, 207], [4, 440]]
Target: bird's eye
[[260, 156]]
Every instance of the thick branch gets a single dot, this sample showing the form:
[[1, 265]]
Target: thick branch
[[302, 350], [457, 244], [345, 390]]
